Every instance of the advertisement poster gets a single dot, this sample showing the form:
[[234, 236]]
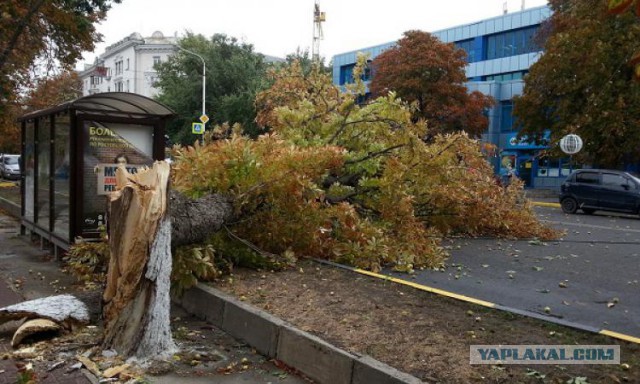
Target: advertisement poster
[[106, 146], [106, 174]]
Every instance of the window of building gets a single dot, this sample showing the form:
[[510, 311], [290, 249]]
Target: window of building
[[128, 86], [468, 47], [156, 60], [118, 67], [506, 116], [519, 75], [511, 43], [118, 86], [127, 68], [346, 74], [549, 167]]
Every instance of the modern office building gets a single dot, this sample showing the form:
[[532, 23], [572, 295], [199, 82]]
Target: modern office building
[[127, 65], [500, 51]]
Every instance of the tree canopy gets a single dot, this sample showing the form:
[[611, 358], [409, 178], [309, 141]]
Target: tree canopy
[[234, 74], [348, 182], [583, 84], [423, 70], [53, 90], [46, 92], [55, 31]]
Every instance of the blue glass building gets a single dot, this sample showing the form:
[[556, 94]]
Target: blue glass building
[[500, 51]]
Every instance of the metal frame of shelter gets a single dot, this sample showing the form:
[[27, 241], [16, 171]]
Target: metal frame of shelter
[[59, 151]]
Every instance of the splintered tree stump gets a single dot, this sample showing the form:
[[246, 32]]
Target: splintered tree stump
[[136, 298]]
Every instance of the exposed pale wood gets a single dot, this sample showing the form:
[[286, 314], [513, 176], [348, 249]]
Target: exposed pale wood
[[136, 298], [63, 309], [33, 327], [89, 364], [115, 371]]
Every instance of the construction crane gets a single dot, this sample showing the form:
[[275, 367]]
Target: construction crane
[[318, 19]]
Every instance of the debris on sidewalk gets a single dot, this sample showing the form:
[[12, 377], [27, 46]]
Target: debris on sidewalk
[[63, 309]]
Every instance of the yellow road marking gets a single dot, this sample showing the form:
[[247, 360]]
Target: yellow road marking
[[427, 289], [620, 336], [616, 335], [544, 204]]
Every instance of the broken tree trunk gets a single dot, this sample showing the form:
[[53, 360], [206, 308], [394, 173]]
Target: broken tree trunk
[[193, 221], [136, 298]]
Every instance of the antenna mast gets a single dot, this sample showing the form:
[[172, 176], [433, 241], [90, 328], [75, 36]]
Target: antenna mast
[[318, 19]]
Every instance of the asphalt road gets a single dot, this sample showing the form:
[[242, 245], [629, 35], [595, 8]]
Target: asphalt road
[[590, 277]]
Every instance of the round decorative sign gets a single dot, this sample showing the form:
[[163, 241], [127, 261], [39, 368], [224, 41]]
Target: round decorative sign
[[571, 144]]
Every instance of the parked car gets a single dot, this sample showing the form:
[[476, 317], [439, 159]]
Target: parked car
[[593, 190], [10, 166]]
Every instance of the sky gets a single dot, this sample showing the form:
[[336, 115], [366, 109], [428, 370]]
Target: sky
[[279, 27]]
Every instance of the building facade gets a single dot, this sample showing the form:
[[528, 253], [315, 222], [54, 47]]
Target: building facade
[[128, 65], [500, 51]]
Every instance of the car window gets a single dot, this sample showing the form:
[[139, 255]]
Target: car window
[[11, 160], [612, 180], [587, 178]]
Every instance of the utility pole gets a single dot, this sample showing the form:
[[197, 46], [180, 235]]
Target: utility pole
[[204, 75], [203, 118], [318, 19]]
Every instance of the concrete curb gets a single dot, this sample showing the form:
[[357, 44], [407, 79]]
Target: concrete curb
[[274, 338], [10, 207]]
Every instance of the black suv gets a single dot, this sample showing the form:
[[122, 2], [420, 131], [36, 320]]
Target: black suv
[[600, 190]]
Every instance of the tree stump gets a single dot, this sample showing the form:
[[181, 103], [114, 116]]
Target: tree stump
[[136, 299]]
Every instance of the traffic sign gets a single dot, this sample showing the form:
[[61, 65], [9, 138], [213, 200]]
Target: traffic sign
[[204, 118], [197, 128]]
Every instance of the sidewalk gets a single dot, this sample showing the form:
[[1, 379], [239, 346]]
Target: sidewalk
[[12, 249], [26, 272]]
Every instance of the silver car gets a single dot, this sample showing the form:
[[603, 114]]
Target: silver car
[[10, 166]]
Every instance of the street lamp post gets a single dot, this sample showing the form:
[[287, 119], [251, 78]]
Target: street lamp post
[[204, 76]]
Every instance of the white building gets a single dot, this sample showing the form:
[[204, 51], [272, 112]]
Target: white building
[[127, 66]]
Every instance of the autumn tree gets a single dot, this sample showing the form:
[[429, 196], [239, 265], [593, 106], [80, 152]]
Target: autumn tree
[[234, 74], [348, 182], [54, 90], [55, 32], [335, 180], [9, 128], [583, 84], [423, 70]]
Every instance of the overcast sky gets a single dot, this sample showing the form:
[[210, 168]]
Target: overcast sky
[[278, 27]]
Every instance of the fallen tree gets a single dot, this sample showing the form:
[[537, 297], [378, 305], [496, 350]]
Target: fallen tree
[[136, 297], [335, 180]]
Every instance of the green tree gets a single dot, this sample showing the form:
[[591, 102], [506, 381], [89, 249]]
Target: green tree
[[234, 74], [582, 83], [431, 74], [303, 57]]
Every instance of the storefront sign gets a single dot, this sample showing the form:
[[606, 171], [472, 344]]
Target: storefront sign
[[513, 142]]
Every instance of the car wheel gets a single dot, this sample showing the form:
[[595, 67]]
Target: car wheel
[[569, 205], [588, 211]]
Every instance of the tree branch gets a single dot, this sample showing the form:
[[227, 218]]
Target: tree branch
[[372, 155]]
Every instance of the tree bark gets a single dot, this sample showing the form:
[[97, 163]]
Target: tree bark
[[195, 220], [136, 298], [145, 222]]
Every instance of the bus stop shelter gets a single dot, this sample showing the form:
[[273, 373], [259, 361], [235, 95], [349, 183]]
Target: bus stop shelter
[[69, 156]]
